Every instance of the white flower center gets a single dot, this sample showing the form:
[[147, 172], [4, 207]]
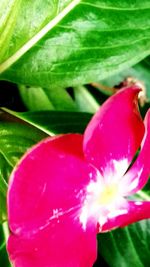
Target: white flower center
[[103, 201]]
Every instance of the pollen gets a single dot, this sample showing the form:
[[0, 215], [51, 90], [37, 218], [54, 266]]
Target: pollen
[[108, 195]]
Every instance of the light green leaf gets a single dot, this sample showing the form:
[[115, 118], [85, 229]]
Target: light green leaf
[[9, 10], [55, 122], [60, 98], [84, 100], [34, 98], [67, 43], [38, 99]]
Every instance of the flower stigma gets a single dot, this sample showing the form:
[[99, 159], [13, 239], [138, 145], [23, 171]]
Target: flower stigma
[[108, 194]]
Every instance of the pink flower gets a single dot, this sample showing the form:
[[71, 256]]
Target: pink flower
[[68, 187]]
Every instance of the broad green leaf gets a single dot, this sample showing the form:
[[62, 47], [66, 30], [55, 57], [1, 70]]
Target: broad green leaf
[[67, 43], [22, 20], [55, 122], [128, 246], [8, 16]]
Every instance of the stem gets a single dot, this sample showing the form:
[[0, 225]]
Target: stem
[[106, 88]]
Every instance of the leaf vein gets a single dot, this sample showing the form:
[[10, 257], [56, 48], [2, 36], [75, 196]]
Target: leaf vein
[[115, 8], [10, 61]]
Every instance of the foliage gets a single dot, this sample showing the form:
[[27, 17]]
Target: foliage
[[51, 52]]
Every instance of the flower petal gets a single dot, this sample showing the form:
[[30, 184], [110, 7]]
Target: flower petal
[[114, 134], [45, 198], [62, 245], [136, 211], [138, 174]]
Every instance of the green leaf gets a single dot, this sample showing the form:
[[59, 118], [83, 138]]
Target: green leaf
[[3, 211], [127, 247], [145, 75], [8, 16], [61, 99], [15, 139], [34, 98], [5, 170], [4, 261], [55, 122], [84, 100], [38, 99], [140, 71], [71, 42]]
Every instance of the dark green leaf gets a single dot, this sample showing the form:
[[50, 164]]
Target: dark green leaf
[[71, 42], [127, 247], [55, 122], [4, 262]]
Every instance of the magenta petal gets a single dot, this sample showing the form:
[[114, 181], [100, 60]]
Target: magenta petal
[[46, 194], [138, 174], [114, 134], [135, 211], [61, 244]]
